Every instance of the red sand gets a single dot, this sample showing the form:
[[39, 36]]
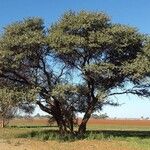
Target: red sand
[[119, 122]]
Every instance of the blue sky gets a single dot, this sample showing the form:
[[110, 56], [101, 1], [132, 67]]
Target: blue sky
[[130, 12]]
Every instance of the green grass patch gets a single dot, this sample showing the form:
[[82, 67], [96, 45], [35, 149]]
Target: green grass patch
[[117, 127], [137, 138]]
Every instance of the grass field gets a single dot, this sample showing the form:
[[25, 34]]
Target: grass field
[[29, 134]]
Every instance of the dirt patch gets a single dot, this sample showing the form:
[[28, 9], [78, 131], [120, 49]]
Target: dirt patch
[[24, 144], [119, 122], [44, 122]]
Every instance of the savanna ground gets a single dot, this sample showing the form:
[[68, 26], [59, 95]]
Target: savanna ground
[[35, 134]]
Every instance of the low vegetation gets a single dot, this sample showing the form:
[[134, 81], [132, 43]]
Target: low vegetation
[[134, 139], [126, 137]]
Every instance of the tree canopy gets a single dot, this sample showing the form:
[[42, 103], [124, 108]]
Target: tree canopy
[[106, 56]]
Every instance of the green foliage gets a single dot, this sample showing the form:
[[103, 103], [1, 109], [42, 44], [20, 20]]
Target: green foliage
[[8, 105], [20, 49], [64, 91], [13, 99], [17, 40], [108, 54], [99, 116], [37, 63]]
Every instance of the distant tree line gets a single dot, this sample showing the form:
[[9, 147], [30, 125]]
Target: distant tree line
[[100, 116]]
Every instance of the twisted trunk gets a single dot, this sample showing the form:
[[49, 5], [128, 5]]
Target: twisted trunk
[[55, 111], [91, 105], [62, 127], [88, 113]]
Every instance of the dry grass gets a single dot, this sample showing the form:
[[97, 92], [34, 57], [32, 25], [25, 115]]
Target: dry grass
[[24, 144], [29, 122], [9, 140]]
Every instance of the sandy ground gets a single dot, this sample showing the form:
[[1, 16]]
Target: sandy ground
[[25, 144]]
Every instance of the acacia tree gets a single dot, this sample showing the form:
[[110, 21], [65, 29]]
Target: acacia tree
[[105, 55]]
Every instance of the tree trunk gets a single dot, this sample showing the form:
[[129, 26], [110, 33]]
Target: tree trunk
[[58, 115], [71, 126], [62, 127], [88, 113], [71, 121], [3, 123], [82, 126], [55, 111]]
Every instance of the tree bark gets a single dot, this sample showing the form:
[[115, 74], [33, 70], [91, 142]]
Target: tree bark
[[61, 124], [3, 123], [90, 109], [91, 105], [71, 125], [65, 122], [82, 126], [62, 128], [55, 111]]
